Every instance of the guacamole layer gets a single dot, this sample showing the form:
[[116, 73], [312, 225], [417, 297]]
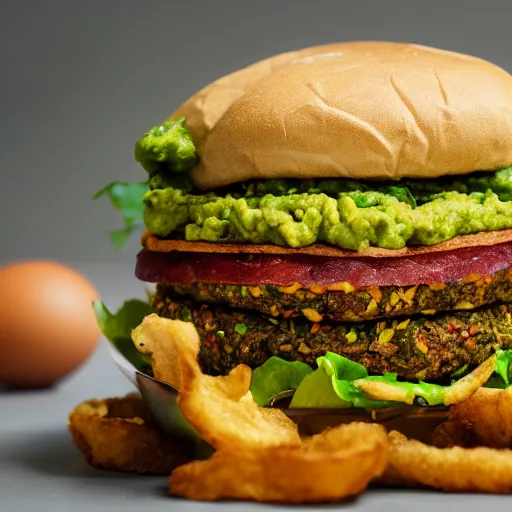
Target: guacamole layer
[[353, 219]]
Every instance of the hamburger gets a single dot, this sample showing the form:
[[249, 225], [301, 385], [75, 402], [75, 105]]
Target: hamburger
[[339, 219]]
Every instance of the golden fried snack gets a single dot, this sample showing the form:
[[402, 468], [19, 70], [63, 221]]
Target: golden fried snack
[[327, 467], [414, 464], [118, 434], [485, 419], [220, 408], [457, 392], [259, 455]]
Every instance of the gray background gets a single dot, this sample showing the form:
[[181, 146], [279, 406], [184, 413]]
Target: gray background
[[82, 80]]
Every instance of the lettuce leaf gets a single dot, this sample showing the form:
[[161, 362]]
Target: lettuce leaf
[[503, 373], [276, 376], [337, 383], [503, 366], [317, 392], [331, 385], [127, 198], [117, 329]]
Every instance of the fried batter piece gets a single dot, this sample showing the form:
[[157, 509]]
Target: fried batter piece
[[470, 451], [259, 453], [485, 419], [327, 467], [456, 469], [118, 434]]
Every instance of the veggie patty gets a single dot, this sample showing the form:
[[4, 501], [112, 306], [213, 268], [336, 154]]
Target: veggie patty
[[424, 348]]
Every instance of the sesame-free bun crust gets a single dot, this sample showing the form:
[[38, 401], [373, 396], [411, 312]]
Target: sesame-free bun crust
[[363, 110]]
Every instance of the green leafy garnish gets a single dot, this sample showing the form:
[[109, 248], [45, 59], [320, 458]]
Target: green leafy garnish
[[167, 146], [503, 366], [316, 392], [339, 382], [117, 329], [503, 372], [411, 191], [127, 198], [331, 385], [276, 376]]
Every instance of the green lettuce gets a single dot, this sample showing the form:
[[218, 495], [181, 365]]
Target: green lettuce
[[504, 366], [411, 191], [117, 329], [275, 377], [337, 383], [343, 377], [503, 373], [127, 198]]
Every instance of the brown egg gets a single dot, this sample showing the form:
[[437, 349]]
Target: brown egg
[[47, 324]]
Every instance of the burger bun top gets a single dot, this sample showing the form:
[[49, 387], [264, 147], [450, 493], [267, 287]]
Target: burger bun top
[[360, 110]]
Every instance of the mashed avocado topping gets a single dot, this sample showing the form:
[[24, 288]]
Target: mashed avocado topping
[[168, 146], [298, 220], [346, 213]]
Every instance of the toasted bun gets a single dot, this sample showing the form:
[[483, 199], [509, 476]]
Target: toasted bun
[[205, 108], [364, 110]]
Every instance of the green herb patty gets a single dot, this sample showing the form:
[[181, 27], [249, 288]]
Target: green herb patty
[[426, 348]]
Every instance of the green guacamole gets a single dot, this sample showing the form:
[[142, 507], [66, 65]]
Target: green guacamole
[[298, 220], [346, 213]]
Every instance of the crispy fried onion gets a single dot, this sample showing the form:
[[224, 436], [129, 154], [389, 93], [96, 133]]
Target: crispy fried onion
[[485, 419], [327, 467], [118, 434], [456, 469], [260, 454], [220, 408], [457, 392]]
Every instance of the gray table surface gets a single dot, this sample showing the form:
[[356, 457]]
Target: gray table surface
[[40, 469]]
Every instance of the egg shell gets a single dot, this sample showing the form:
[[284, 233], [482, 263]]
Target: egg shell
[[47, 323]]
